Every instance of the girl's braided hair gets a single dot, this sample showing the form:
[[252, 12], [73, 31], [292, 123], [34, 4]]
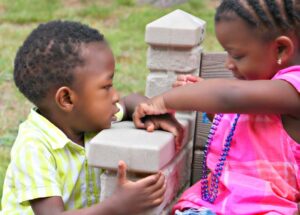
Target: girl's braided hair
[[270, 17]]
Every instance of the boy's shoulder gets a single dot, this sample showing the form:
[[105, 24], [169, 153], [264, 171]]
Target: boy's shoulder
[[36, 131]]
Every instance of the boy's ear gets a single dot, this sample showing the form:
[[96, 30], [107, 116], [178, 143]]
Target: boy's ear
[[64, 98], [285, 49]]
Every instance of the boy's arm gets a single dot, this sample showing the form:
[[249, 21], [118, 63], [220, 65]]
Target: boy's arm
[[129, 198], [129, 103]]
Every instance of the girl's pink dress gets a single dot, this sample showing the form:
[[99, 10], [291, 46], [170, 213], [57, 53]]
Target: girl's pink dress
[[261, 174]]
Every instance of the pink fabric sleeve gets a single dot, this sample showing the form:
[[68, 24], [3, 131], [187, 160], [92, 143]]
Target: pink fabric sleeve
[[291, 75]]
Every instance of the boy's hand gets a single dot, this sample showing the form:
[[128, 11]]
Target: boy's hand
[[165, 122], [136, 197], [186, 79]]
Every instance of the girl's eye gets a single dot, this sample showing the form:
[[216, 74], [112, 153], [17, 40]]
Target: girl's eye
[[237, 57]]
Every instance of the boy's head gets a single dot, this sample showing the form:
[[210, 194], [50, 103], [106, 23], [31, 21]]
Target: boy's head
[[48, 56], [66, 69]]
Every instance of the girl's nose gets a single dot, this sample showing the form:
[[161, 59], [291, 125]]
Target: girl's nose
[[229, 64]]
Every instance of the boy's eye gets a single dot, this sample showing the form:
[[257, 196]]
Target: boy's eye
[[107, 87]]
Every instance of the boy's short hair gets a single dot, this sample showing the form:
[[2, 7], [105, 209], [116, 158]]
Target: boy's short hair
[[49, 56]]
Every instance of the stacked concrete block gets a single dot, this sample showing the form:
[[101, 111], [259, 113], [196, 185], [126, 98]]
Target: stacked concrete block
[[174, 48], [144, 153]]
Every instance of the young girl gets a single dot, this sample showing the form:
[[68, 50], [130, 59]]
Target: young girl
[[253, 150]]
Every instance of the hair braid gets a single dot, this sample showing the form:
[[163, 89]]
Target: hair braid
[[233, 5], [289, 10], [275, 12], [260, 12]]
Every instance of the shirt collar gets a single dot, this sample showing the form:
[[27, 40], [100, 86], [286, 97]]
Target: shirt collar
[[56, 138]]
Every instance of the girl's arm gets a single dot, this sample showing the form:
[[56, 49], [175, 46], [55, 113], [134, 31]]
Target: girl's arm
[[225, 96], [235, 96]]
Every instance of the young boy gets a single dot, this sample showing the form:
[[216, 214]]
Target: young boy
[[66, 69]]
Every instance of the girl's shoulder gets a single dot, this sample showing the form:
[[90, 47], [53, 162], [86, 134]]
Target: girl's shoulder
[[291, 75]]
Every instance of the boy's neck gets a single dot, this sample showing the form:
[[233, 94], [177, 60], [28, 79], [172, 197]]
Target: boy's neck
[[62, 123]]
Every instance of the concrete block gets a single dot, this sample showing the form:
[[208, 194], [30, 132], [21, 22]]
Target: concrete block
[[177, 174], [159, 82], [142, 151], [174, 59], [177, 29]]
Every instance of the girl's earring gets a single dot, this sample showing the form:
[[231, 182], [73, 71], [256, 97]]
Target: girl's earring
[[279, 61]]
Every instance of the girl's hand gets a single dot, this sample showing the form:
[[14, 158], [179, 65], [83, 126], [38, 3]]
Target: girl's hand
[[136, 197], [186, 79], [153, 106]]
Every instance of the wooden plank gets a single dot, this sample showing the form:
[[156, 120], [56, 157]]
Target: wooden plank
[[202, 130], [197, 166], [213, 65]]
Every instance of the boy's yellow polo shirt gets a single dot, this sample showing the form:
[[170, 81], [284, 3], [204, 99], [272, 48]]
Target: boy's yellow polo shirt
[[45, 162]]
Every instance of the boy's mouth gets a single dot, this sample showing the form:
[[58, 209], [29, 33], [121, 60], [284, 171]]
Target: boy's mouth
[[114, 118]]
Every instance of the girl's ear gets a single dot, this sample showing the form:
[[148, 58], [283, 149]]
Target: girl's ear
[[65, 98], [285, 50]]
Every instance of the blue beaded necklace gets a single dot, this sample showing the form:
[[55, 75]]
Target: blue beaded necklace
[[211, 194]]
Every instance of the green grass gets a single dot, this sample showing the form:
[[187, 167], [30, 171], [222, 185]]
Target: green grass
[[121, 21]]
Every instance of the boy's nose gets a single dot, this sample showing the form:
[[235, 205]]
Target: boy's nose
[[116, 95]]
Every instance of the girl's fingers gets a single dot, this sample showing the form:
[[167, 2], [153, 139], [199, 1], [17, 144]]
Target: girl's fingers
[[137, 121]]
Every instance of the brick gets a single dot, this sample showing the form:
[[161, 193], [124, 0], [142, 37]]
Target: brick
[[174, 59], [177, 29], [142, 151], [159, 82], [177, 175]]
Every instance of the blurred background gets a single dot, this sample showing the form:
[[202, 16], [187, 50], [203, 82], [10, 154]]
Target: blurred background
[[121, 21]]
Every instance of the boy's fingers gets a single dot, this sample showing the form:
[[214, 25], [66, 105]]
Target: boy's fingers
[[149, 126], [160, 183], [158, 195], [150, 180], [177, 131], [122, 177]]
